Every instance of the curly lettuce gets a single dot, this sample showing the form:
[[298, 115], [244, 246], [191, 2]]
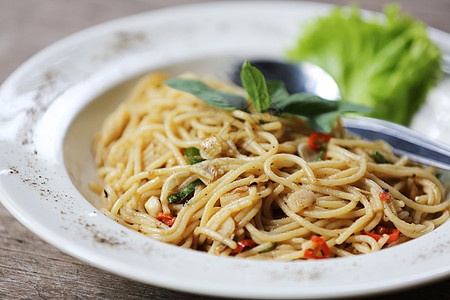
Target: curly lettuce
[[388, 63]]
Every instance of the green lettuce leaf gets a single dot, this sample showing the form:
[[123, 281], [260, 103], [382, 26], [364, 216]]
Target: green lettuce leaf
[[387, 63]]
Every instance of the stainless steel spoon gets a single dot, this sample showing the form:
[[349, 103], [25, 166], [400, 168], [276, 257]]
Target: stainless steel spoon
[[307, 77], [297, 78]]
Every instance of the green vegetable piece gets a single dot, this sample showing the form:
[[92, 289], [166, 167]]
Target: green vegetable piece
[[184, 194], [227, 101], [308, 105], [269, 248], [254, 83], [193, 155], [344, 106], [324, 122], [278, 95], [323, 149], [320, 114], [389, 64], [379, 158]]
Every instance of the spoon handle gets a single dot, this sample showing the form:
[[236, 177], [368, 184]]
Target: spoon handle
[[403, 140]]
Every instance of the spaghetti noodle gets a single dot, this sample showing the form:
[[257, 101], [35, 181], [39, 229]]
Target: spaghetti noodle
[[243, 184]]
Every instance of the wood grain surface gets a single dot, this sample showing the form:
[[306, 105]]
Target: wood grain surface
[[30, 268]]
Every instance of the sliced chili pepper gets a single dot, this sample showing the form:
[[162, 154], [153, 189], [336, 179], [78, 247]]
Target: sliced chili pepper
[[377, 233], [375, 236], [317, 139], [393, 233], [320, 250], [382, 230], [393, 236], [385, 195], [166, 219], [244, 244]]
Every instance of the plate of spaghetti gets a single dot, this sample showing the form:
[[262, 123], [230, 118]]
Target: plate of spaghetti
[[134, 153]]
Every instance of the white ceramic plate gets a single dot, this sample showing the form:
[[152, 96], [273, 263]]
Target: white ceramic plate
[[51, 106]]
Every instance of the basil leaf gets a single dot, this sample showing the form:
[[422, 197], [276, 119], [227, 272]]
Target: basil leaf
[[307, 105], [320, 123], [325, 122], [193, 155], [277, 91], [223, 100], [254, 83], [345, 106], [314, 124], [278, 95], [320, 114]]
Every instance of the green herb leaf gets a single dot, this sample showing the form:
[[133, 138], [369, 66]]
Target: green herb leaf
[[322, 152], [227, 101], [325, 122], [193, 155], [307, 105], [277, 92], [269, 248], [320, 114], [185, 193], [344, 106], [254, 83], [379, 158]]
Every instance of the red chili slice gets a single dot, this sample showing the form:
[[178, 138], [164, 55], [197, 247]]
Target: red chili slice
[[244, 244], [385, 195], [317, 139], [377, 233], [375, 236], [393, 236], [320, 250], [166, 219]]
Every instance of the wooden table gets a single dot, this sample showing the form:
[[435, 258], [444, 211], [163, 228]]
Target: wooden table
[[31, 268]]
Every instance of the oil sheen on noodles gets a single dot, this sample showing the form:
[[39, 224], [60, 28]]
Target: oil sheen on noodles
[[258, 189]]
